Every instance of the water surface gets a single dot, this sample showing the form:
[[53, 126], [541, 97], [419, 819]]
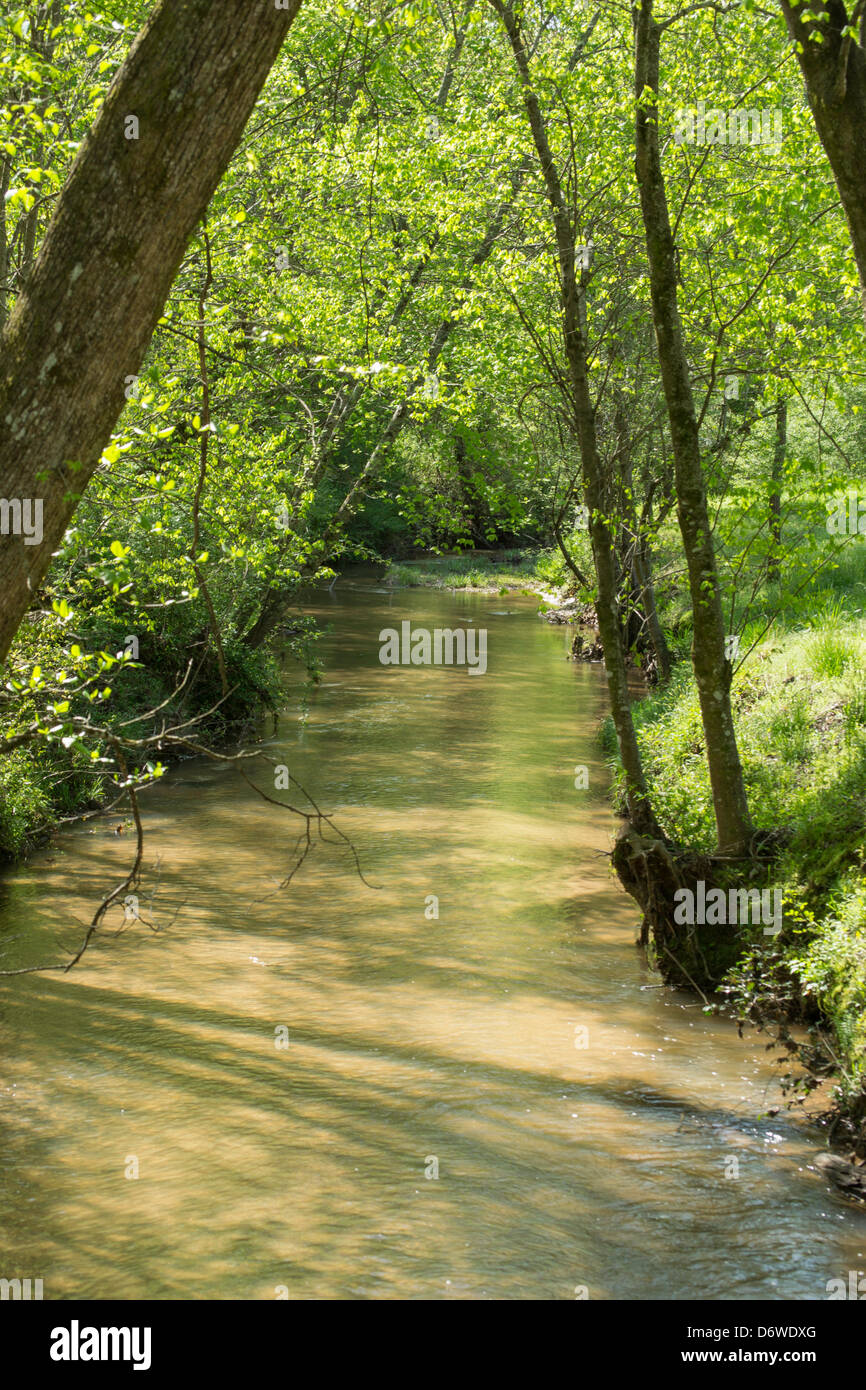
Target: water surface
[[641, 1165]]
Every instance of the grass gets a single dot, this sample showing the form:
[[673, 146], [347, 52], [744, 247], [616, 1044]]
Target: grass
[[499, 572], [800, 707]]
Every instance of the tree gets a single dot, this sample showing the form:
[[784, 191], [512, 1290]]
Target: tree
[[831, 51], [140, 184], [596, 487], [712, 667]]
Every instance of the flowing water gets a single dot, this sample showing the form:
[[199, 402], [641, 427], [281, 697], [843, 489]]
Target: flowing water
[[590, 1130]]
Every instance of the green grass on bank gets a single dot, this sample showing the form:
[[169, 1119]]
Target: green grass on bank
[[492, 572], [800, 705]]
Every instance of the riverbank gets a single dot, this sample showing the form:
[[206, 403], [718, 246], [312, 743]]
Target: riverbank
[[50, 780], [540, 572], [800, 706]]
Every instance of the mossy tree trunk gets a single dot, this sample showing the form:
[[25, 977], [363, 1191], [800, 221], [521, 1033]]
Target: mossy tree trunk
[[712, 668], [833, 64]]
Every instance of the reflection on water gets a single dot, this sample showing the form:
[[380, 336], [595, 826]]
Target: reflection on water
[[411, 1037]]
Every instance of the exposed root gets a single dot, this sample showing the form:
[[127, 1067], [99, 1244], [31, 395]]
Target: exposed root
[[653, 871]]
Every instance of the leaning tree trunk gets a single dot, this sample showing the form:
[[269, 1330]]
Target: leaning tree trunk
[[833, 65], [712, 668], [141, 181], [596, 497]]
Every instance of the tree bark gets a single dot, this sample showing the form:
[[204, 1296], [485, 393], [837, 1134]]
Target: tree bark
[[5, 170], [712, 669], [645, 587], [834, 71], [112, 249]]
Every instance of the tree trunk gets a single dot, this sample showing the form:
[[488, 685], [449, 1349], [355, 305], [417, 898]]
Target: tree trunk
[[5, 170], [112, 249], [712, 668], [602, 538], [834, 71], [646, 590], [473, 506]]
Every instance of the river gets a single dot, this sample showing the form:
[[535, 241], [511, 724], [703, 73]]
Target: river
[[495, 1102]]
